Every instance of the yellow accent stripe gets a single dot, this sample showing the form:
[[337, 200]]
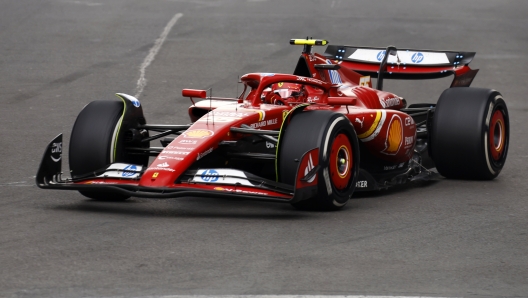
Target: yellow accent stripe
[[309, 42], [373, 127], [261, 115], [119, 123]]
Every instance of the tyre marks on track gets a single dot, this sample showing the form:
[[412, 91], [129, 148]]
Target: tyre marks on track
[[142, 81]]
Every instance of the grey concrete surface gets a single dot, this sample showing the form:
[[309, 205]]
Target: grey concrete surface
[[450, 238]]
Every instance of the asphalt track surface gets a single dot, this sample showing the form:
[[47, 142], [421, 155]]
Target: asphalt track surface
[[449, 238]]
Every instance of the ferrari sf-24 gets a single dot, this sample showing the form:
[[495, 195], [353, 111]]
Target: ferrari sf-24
[[310, 138]]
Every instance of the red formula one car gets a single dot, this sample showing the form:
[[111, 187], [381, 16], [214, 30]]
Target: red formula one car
[[310, 138]]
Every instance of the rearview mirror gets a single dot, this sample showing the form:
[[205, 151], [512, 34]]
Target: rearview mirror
[[194, 93]]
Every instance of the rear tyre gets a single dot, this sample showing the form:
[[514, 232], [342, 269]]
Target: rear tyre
[[97, 140], [338, 147], [470, 133]]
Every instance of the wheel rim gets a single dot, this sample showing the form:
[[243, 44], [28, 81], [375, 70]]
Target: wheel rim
[[341, 162], [497, 135]]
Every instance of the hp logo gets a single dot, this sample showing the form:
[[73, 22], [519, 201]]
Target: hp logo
[[417, 57], [209, 176], [380, 55], [129, 168]]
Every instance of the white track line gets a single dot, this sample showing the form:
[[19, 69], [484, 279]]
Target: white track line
[[284, 296], [142, 81]]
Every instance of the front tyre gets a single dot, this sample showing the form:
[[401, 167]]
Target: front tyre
[[470, 133], [338, 156], [98, 139]]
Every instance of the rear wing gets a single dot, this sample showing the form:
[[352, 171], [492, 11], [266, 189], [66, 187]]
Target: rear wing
[[407, 64]]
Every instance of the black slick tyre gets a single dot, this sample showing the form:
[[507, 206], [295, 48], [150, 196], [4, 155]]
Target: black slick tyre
[[338, 158], [97, 140], [470, 133]]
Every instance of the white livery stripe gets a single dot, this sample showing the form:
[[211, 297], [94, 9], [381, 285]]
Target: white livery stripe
[[221, 176], [378, 128], [406, 57], [122, 171]]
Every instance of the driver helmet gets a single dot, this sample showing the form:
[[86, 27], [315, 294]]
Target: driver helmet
[[281, 93]]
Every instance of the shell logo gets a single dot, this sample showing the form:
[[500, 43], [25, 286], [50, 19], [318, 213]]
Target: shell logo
[[197, 133], [394, 136], [218, 188]]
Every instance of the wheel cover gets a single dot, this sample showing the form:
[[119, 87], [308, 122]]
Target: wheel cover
[[341, 162], [497, 135]]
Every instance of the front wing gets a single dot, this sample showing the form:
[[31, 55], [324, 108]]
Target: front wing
[[124, 179]]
